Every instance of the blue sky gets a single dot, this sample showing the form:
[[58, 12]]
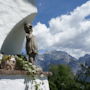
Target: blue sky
[[48, 9], [63, 25]]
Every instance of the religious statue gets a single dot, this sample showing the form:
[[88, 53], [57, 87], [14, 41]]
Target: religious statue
[[31, 47]]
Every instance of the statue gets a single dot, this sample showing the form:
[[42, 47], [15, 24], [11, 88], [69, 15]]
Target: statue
[[31, 47]]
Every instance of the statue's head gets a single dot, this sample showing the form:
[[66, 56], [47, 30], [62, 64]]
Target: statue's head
[[28, 28]]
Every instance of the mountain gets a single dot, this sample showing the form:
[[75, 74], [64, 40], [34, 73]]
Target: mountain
[[55, 57], [84, 72], [61, 57], [85, 60]]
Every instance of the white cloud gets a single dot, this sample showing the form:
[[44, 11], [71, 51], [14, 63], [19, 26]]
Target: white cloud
[[71, 31]]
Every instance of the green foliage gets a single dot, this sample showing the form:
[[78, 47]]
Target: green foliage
[[22, 64], [63, 79]]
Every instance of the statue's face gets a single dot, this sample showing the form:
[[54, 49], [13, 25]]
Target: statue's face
[[28, 28]]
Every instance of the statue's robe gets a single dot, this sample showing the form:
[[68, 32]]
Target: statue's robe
[[31, 46]]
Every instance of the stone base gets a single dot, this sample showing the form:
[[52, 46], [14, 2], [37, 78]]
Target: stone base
[[19, 80], [23, 82]]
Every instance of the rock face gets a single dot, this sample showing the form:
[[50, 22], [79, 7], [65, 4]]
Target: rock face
[[85, 60], [21, 82], [54, 57], [13, 15], [61, 57]]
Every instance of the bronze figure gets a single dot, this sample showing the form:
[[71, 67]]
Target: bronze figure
[[31, 47]]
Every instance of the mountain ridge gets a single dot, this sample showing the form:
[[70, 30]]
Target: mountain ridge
[[49, 58]]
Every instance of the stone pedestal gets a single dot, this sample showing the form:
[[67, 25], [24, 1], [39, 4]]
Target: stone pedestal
[[22, 82]]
